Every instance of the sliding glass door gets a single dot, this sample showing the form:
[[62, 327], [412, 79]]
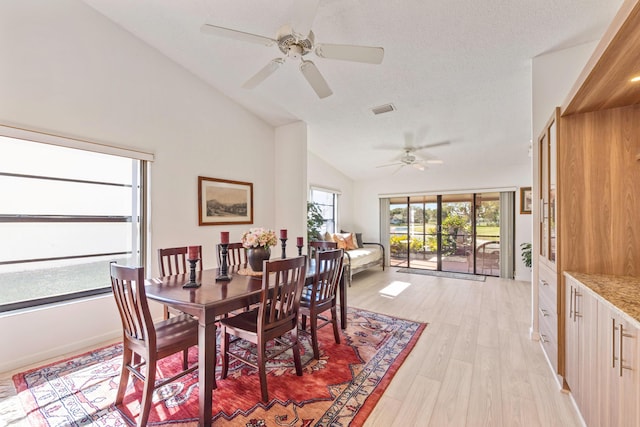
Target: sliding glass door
[[450, 232]]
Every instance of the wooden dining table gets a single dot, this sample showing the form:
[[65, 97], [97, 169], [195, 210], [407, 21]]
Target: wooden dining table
[[207, 303]]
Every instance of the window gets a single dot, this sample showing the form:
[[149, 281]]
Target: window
[[65, 214], [327, 200]]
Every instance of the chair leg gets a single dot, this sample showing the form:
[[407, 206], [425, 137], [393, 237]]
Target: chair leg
[[303, 322], [224, 349], [334, 320], [185, 359], [313, 321], [127, 357], [296, 353], [147, 392], [262, 370]]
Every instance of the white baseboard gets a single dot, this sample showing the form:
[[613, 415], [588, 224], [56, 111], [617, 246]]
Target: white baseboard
[[59, 351]]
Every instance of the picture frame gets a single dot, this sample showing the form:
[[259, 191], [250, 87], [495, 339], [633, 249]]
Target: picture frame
[[526, 200], [224, 202]]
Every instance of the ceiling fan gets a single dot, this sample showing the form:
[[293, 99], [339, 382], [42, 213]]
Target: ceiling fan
[[295, 42], [409, 158]]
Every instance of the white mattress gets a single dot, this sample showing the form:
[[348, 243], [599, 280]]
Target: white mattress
[[363, 256]]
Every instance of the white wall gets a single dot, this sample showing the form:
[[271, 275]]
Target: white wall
[[553, 76], [69, 71], [291, 184], [322, 174]]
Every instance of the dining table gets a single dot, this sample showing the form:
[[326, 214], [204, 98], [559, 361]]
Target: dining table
[[211, 300]]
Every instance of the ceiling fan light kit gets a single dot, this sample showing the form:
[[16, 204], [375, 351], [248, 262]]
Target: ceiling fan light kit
[[295, 45], [408, 158]]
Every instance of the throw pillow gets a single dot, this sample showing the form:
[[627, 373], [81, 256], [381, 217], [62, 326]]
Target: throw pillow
[[328, 237], [340, 240], [357, 239], [349, 242]]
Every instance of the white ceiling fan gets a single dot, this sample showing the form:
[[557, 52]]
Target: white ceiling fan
[[409, 158], [296, 41]]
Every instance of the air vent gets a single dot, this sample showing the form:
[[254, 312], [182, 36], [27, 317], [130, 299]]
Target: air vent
[[387, 108]]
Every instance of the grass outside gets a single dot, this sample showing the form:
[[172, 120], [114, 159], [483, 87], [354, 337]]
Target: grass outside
[[34, 284]]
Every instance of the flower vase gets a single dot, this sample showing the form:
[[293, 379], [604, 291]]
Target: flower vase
[[255, 256]]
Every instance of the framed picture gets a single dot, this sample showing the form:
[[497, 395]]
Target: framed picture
[[526, 199], [224, 202]]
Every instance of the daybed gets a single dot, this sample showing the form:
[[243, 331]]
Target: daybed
[[359, 255]]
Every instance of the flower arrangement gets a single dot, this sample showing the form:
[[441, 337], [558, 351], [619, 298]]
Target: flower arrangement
[[259, 237]]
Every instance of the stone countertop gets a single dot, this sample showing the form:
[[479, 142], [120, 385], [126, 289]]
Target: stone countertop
[[621, 292]]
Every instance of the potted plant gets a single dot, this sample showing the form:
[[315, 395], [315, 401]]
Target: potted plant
[[526, 254], [315, 221]]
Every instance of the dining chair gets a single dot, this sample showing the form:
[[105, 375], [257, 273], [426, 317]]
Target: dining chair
[[275, 316], [174, 261], [236, 254], [145, 343], [321, 245], [320, 296]]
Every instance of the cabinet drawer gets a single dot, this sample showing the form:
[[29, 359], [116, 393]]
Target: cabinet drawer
[[547, 307], [548, 284], [549, 340]]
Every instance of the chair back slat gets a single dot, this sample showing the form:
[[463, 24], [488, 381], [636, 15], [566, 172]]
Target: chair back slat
[[236, 254], [320, 246], [282, 283], [327, 276], [127, 284], [174, 260]]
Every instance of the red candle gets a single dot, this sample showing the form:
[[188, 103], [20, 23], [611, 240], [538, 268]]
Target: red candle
[[283, 234], [224, 237], [299, 241], [193, 252]]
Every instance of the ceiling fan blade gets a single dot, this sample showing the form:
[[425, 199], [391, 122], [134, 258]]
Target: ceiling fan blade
[[265, 72], [391, 164], [437, 144], [236, 35], [418, 166], [435, 162], [315, 79], [345, 52], [304, 12]]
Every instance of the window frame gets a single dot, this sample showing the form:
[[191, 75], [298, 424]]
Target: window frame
[[335, 206], [139, 239]]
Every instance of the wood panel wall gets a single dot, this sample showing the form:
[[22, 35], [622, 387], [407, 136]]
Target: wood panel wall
[[599, 181]]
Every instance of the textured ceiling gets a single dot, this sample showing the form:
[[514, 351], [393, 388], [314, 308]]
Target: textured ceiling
[[456, 70]]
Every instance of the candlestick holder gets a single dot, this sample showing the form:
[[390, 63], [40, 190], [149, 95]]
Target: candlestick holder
[[299, 250], [223, 276], [192, 275], [284, 248]]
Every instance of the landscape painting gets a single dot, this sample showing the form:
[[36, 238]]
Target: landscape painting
[[222, 201]]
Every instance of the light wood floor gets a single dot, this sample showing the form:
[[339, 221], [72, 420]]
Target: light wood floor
[[474, 364]]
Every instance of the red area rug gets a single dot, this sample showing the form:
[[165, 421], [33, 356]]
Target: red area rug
[[340, 389]]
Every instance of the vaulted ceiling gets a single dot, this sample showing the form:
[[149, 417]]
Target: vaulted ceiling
[[455, 70]]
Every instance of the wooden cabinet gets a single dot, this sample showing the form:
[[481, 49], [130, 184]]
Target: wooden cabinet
[[550, 324], [602, 349], [581, 348], [618, 369], [548, 182]]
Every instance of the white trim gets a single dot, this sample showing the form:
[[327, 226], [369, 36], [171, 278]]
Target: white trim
[[69, 142], [325, 189], [437, 192]]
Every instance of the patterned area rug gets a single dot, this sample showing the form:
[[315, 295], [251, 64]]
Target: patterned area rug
[[340, 389]]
